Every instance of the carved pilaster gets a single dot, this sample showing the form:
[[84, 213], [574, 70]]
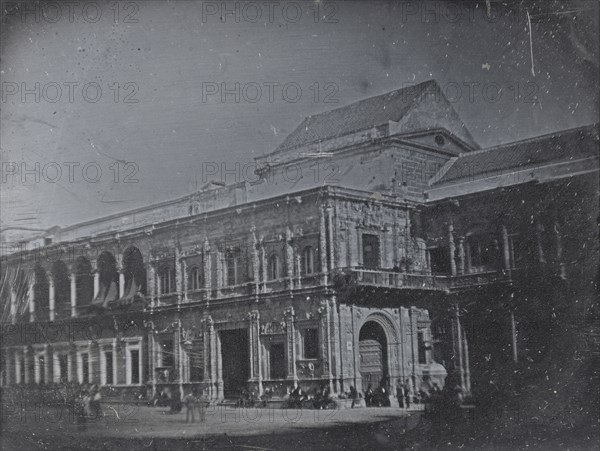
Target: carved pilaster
[[452, 248], [289, 258], [323, 247], [289, 317], [207, 268]]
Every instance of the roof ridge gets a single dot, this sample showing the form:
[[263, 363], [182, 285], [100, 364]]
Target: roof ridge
[[532, 139]]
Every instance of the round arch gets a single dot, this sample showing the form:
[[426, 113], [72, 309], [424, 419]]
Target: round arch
[[378, 341], [135, 271]]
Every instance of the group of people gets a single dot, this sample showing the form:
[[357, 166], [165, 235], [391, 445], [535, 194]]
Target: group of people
[[192, 402]]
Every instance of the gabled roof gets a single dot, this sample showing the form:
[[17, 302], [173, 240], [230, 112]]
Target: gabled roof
[[563, 145], [373, 111]]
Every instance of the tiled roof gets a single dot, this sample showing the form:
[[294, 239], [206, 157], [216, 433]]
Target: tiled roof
[[559, 146], [365, 114]]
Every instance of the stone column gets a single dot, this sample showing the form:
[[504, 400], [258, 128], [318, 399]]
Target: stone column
[[219, 365], [184, 280], [221, 272], [178, 274], [32, 298], [289, 258], [290, 330], [121, 282], [452, 248], [458, 346], [505, 248], [461, 255], [96, 282], [255, 349], [13, 305], [332, 262], [336, 350], [323, 247], [206, 259], [73, 279], [51, 296], [255, 261], [152, 283], [263, 262]]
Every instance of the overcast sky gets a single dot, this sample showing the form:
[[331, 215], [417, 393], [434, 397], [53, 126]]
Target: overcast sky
[[166, 54]]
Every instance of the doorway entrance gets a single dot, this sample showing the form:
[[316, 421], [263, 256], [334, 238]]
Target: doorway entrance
[[373, 355], [235, 358]]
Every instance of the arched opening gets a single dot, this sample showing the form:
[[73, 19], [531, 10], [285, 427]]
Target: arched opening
[[374, 368], [274, 267], [41, 294], [84, 281], [135, 272], [109, 279], [62, 290]]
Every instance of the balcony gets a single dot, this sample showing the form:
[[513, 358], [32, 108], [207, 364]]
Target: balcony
[[386, 279]]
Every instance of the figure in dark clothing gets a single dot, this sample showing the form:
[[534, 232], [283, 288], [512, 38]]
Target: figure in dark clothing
[[406, 389], [190, 404], [400, 395], [353, 396], [369, 395]]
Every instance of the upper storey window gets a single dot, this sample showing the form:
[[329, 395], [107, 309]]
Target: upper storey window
[[274, 267], [233, 266], [308, 260], [167, 279], [371, 256]]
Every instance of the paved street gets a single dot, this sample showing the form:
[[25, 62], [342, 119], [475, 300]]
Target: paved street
[[225, 427]]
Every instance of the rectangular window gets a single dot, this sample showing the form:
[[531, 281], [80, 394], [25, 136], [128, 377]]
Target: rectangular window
[[85, 369], [232, 261], [108, 364], [134, 366], [311, 343], [371, 257], [277, 362]]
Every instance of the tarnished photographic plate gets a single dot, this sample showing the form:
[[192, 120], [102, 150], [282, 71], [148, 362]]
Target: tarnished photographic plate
[[297, 225]]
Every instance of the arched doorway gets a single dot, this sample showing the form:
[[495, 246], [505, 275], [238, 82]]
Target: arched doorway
[[373, 353]]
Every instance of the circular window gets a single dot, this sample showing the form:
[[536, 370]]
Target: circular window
[[439, 140]]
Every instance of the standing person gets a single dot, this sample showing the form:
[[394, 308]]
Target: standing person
[[190, 404], [400, 394], [407, 394], [353, 395], [369, 395]]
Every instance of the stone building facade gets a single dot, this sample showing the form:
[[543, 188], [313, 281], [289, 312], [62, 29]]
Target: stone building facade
[[374, 246]]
